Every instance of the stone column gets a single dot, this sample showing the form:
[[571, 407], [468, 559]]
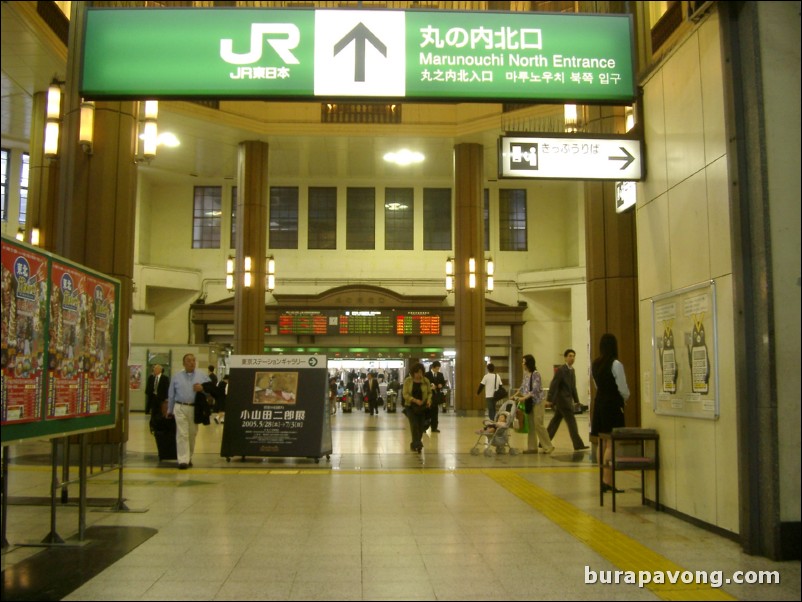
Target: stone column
[[469, 304], [612, 271], [96, 200], [252, 213]]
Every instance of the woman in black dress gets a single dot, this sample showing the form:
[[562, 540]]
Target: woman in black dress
[[611, 394]]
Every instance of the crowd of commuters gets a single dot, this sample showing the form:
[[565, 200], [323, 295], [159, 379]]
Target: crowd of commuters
[[421, 395]]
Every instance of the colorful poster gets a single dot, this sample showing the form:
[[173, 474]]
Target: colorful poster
[[665, 316], [135, 377], [59, 345], [24, 320], [99, 341], [67, 353], [685, 355]]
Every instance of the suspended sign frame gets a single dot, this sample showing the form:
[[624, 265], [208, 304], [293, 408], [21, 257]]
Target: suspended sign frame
[[323, 54], [569, 157]]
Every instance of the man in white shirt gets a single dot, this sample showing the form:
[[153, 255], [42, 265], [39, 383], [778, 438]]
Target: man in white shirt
[[181, 404]]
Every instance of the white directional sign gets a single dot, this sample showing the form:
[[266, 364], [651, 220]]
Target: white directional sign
[[359, 53], [569, 158]]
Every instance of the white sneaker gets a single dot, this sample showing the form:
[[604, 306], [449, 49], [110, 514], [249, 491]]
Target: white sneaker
[[544, 450]]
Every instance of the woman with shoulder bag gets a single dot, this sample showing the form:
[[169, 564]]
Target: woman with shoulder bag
[[417, 395], [531, 392]]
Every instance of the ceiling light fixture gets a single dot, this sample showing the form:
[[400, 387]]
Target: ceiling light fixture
[[404, 157], [168, 139]]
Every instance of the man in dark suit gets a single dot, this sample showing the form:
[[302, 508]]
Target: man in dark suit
[[156, 390], [438, 382], [370, 389], [563, 395]]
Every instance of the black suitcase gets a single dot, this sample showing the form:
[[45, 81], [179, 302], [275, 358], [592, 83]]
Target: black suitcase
[[163, 430], [165, 443]]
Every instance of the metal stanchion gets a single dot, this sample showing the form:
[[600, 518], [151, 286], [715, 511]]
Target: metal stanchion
[[65, 472], [82, 490], [53, 537], [120, 506]]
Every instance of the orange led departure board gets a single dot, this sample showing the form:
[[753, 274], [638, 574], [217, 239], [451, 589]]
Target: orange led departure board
[[417, 323], [303, 322], [358, 322]]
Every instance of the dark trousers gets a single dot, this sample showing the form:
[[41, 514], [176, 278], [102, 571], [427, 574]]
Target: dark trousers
[[565, 411], [434, 412], [415, 426], [373, 405]]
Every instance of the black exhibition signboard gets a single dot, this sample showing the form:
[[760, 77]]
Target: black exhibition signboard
[[277, 405]]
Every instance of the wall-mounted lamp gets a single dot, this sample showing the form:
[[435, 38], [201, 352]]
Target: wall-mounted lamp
[[86, 130], [271, 274], [471, 273], [230, 273], [450, 275], [247, 274], [148, 139], [571, 119], [52, 119], [629, 118], [247, 279], [20, 235], [35, 236], [491, 269]]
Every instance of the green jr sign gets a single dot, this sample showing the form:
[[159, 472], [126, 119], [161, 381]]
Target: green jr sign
[[308, 54]]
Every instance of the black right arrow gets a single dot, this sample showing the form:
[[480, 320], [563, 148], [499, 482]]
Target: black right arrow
[[629, 158], [359, 35]]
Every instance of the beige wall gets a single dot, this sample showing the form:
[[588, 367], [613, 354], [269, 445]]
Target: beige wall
[[683, 240], [170, 275]]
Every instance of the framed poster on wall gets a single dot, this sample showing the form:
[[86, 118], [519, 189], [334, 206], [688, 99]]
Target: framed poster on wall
[[685, 352]]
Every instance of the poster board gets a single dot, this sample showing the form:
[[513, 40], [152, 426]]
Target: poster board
[[685, 352], [60, 330], [277, 405]]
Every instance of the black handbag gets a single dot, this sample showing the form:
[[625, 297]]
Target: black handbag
[[529, 402], [500, 393], [202, 409]]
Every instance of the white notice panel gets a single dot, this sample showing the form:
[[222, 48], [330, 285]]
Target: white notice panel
[[569, 158]]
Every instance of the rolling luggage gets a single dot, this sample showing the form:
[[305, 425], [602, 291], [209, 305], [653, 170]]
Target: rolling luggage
[[165, 443], [163, 430]]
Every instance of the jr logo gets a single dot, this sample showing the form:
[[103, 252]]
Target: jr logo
[[282, 46]]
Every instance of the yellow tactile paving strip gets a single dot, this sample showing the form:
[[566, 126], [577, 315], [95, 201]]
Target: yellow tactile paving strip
[[624, 552]]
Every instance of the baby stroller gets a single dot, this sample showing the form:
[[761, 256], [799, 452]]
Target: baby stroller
[[495, 436], [347, 402], [391, 397]]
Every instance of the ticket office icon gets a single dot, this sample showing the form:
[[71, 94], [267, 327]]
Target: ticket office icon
[[524, 156]]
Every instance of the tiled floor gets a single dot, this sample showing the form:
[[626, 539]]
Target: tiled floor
[[376, 521]]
